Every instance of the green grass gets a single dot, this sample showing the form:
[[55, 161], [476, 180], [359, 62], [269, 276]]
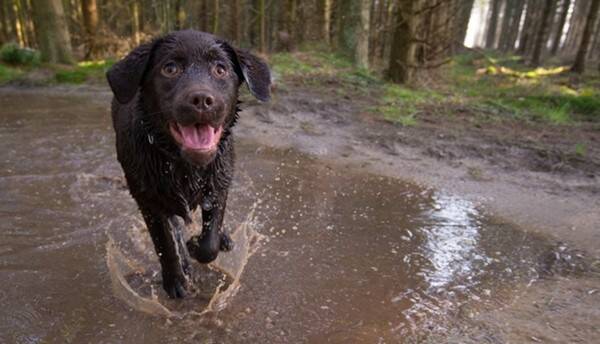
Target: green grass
[[8, 73], [402, 104], [83, 72], [508, 88], [580, 149], [287, 64]]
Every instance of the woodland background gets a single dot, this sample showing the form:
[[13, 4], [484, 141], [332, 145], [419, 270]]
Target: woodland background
[[509, 59], [396, 37]]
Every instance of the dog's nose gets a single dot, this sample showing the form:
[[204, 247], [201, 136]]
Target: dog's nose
[[202, 101]]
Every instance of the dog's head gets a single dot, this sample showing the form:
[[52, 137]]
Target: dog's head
[[188, 83]]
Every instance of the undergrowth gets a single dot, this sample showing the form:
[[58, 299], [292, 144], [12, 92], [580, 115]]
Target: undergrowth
[[492, 86]]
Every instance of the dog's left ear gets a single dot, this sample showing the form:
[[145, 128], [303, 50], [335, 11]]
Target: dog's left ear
[[251, 69]]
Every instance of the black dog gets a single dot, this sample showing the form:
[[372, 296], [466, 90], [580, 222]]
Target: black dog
[[175, 102]]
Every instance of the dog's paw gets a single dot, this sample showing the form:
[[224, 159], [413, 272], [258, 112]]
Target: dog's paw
[[203, 249], [176, 287], [226, 242]]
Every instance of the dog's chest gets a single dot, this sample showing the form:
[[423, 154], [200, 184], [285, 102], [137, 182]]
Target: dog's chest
[[184, 181]]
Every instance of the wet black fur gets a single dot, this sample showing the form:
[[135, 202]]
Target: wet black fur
[[168, 186]]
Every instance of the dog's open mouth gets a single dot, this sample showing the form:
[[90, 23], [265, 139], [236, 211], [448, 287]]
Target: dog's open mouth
[[198, 137]]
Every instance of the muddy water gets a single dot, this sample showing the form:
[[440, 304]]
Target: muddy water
[[341, 256]]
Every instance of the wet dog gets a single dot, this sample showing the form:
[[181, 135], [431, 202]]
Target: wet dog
[[175, 103]]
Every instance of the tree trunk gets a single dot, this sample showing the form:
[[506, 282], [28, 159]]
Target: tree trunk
[[560, 27], [4, 33], [510, 24], [362, 35], [236, 28], [262, 38], [202, 15], [542, 36], [388, 30], [215, 26], [290, 15], [515, 25], [490, 41], [179, 15], [302, 25], [135, 21], [594, 49], [89, 11], [509, 7], [349, 25], [51, 29], [19, 26], [403, 49], [579, 65], [324, 13], [466, 7], [527, 32], [273, 24], [12, 21], [377, 29], [580, 12], [327, 21], [28, 29]]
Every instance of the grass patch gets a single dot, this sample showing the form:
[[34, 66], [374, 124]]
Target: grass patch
[[507, 87], [397, 114], [580, 149], [82, 72], [8, 73], [287, 64], [402, 104]]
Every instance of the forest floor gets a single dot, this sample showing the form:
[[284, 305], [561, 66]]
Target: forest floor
[[525, 144]]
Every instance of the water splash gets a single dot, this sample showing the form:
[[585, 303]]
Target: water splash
[[230, 266]]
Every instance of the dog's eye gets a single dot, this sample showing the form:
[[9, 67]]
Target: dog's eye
[[170, 69], [219, 70]]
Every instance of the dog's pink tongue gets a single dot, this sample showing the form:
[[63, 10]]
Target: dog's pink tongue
[[198, 136]]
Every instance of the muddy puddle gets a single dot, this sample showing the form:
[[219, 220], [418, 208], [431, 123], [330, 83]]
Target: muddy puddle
[[324, 253]]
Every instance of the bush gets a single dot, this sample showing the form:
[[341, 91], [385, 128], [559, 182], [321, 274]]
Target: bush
[[12, 53]]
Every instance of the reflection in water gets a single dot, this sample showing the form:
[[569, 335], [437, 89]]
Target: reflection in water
[[451, 236]]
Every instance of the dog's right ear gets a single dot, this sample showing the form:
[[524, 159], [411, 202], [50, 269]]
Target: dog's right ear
[[125, 76]]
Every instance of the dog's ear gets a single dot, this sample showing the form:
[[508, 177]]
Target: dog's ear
[[125, 76], [251, 69]]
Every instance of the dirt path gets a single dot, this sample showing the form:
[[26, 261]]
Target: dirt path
[[522, 172]]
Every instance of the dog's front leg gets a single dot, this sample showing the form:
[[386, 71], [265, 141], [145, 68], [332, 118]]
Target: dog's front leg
[[166, 235], [206, 246]]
